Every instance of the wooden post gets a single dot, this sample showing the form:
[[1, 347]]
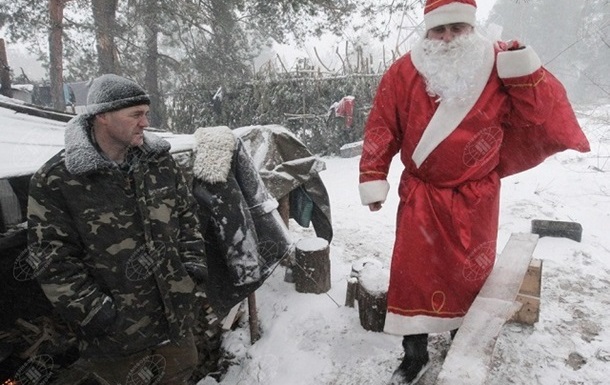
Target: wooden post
[[255, 334], [284, 211], [312, 266], [5, 72], [351, 292], [284, 208]]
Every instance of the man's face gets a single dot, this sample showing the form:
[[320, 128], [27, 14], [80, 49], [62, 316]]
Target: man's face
[[125, 127], [448, 32]]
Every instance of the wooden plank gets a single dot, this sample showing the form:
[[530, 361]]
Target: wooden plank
[[41, 112], [529, 313], [506, 277], [529, 295], [229, 320], [532, 282], [469, 358]]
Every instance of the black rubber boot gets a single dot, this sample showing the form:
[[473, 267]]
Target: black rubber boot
[[453, 333], [414, 363]]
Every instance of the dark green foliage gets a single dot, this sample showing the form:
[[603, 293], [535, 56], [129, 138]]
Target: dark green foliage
[[302, 18], [300, 104]]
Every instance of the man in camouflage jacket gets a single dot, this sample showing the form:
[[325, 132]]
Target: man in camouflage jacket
[[115, 238]]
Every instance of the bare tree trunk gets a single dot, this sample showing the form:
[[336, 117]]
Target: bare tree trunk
[[104, 18], [56, 15], [5, 74], [151, 79]]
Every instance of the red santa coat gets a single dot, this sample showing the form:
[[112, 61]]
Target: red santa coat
[[449, 190]]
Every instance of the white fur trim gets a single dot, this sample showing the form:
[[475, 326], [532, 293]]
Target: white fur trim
[[449, 115], [449, 14], [373, 191], [522, 62], [404, 325], [214, 148]]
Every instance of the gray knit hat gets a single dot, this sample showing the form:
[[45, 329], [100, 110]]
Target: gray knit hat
[[112, 92]]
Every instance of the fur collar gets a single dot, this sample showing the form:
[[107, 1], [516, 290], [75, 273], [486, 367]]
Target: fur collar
[[81, 155], [214, 148]]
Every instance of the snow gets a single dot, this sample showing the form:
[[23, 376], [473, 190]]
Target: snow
[[374, 280], [312, 244], [312, 339]]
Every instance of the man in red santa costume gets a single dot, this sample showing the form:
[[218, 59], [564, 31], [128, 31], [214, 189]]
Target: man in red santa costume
[[463, 112]]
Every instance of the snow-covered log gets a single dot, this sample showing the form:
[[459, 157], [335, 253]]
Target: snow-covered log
[[372, 294], [351, 293], [312, 266]]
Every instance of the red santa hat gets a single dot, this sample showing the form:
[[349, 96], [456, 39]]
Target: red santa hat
[[440, 12]]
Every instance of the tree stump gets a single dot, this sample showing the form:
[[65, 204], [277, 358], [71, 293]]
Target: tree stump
[[312, 266], [351, 293], [372, 293]]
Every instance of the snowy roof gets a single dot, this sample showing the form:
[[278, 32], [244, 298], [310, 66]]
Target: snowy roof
[[27, 141], [23, 87]]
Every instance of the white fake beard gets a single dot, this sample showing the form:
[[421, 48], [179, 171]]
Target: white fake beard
[[450, 68]]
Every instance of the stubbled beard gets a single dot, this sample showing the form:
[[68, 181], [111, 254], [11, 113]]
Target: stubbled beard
[[450, 68]]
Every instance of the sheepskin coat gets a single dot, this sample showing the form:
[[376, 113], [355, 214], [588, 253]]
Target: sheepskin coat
[[245, 235]]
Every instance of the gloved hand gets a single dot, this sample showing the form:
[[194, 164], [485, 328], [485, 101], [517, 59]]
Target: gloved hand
[[511, 45]]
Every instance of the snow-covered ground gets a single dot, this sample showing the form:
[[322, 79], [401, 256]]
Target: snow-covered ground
[[312, 339]]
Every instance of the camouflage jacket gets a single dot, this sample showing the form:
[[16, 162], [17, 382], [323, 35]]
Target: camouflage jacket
[[111, 245]]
